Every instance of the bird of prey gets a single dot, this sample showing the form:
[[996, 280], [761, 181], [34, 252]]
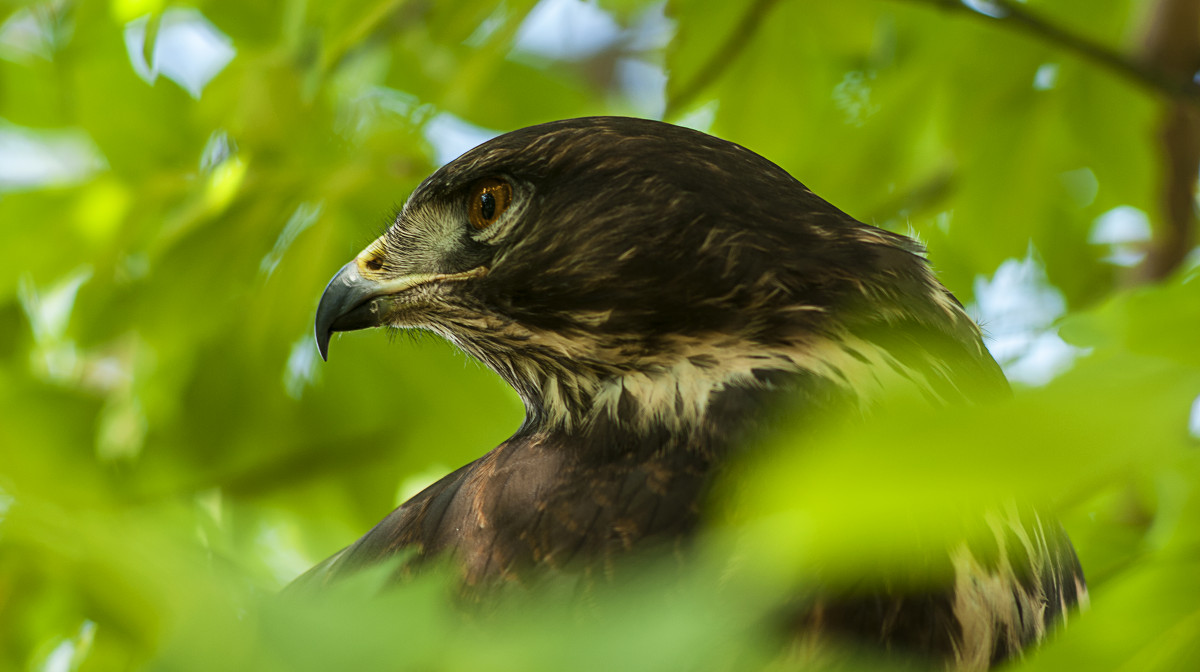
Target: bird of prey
[[650, 292]]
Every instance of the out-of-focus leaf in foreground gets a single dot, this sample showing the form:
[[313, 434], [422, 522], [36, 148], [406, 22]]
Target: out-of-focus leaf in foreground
[[1106, 447]]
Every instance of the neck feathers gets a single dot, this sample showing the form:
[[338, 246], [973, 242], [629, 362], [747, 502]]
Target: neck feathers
[[905, 336], [698, 387]]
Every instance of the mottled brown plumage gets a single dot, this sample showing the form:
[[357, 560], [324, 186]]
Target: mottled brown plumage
[[652, 293]]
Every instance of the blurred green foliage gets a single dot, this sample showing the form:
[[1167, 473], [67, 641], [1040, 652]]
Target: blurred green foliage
[[171, 453]]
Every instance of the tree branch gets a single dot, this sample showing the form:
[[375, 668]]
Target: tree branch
[[1172, 43], [1173, 85], [721, 58]]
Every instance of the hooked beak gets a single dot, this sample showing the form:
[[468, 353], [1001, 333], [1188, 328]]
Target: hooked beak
[[351, 302], [346, 305]]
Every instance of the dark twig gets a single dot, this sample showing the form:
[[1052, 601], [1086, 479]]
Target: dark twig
[[722, 57], [1007, 13], [1167, 65]]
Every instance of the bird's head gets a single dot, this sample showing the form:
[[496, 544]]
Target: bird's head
[[634, 270]]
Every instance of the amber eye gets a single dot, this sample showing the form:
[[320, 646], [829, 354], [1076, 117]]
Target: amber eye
[[489, 199]]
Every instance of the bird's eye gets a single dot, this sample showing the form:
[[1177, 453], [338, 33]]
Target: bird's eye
[[489, 199]]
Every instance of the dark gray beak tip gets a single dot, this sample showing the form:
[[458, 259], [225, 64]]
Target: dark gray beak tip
[[323, 343]]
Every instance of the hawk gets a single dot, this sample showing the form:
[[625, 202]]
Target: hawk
[[651, 292]]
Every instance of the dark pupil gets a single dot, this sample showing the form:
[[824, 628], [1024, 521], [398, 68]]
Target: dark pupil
[[487, 205]]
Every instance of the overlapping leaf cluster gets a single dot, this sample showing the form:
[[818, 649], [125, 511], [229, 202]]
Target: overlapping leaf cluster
[[171, 452]]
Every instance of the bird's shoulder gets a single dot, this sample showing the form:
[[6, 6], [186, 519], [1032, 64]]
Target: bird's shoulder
[[536, 502]]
